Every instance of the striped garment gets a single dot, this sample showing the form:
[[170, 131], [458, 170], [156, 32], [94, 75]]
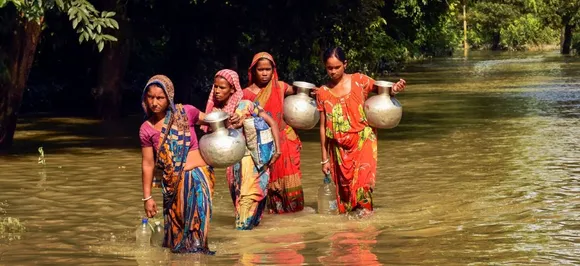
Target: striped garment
[[187, 195], [230, 107]]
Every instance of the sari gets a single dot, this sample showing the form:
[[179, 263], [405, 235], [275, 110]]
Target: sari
[[187, 195], [352, 144], [247, 182], [285, 192]]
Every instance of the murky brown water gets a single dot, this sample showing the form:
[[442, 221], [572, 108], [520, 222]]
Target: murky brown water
[[483, 169]]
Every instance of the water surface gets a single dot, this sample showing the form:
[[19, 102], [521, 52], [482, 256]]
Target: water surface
[[483, 169]]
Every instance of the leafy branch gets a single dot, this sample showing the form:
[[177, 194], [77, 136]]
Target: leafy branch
[[86, 19], [92, 22]]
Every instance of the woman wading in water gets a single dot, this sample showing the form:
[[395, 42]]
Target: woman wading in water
[[348, 143], [285, 187], [168, 141], [247, 179]]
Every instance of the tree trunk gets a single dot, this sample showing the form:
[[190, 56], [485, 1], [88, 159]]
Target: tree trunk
[[567, 39], [496, 41], [114, 60], [20, 56]]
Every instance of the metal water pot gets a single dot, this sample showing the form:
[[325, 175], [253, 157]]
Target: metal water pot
[[300, 109], [382, 110], [223, 147]]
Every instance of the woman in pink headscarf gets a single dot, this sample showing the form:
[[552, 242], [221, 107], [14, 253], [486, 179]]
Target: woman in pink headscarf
[[247, 180]]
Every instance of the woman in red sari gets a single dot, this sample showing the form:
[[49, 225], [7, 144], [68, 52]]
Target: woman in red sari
[[285, 187], [348, 143]]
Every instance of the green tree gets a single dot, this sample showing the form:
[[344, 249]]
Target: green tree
[[567, 18], [18, 48], [490, 17]]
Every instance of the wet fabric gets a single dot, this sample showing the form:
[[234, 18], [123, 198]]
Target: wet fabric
[[352, 144], [285, 192]]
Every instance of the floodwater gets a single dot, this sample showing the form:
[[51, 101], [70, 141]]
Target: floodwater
[[483, 169]]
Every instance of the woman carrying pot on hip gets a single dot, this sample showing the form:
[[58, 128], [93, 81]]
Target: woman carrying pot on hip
[[348, 143]]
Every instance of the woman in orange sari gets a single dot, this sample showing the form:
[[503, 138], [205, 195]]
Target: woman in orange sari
[[348, 143], [285, 187]]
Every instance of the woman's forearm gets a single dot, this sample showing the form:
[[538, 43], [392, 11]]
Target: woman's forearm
[[274, 128], [201, 119], [147, 178], [147, 167], [323, 139]]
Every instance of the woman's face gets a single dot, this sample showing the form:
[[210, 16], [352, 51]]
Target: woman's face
[[156, 99], [222, 89], [334, 68], [263, 71]]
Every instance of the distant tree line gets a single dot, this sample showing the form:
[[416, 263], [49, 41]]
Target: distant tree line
[[92, 57]]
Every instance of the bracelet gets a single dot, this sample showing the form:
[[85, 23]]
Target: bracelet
[[148, 198], [325, 161]]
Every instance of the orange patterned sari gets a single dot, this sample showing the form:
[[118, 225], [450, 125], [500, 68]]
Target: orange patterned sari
[[352, 144]]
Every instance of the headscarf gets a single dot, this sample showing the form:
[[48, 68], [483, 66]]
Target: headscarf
[[271, 97], [175, 136], [165, 83], [265, 93], [234, 80]]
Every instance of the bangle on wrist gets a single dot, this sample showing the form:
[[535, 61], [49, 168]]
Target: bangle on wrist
[[147, 198], [325, 161]]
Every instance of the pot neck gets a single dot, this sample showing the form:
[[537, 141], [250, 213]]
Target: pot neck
[[384, 87], [300, 90], [218, 125]]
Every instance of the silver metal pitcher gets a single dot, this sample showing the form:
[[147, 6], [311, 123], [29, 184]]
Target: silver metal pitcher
[[223, 147], [382, 110], [300, 109]]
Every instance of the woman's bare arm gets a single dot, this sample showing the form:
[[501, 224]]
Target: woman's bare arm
[[275, 133]]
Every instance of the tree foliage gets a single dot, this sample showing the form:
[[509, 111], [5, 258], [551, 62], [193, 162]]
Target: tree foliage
[[191, 39], [87, 20]]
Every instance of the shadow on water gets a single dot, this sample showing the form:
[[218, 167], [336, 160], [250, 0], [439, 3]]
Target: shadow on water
[[59, 134]]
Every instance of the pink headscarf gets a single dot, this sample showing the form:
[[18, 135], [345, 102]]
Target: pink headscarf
[[234, 80]]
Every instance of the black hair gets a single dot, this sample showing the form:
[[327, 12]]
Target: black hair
[[334, 52]]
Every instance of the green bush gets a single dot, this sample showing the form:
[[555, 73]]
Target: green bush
[[576, 42], [527, 31]]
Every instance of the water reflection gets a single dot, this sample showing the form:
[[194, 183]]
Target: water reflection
[[284, 250], [352, 247]]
